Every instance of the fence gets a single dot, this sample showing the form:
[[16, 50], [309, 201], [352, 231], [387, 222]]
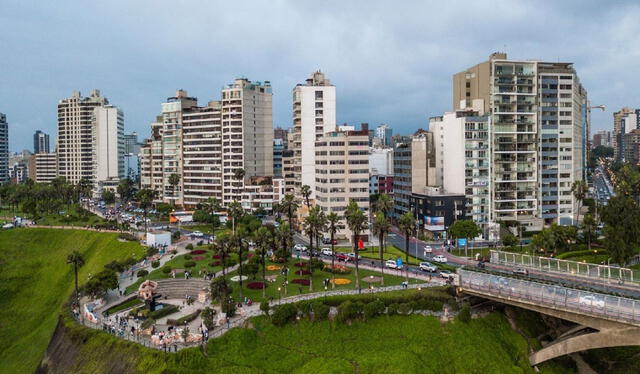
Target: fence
[[557, 297], [553, 265]]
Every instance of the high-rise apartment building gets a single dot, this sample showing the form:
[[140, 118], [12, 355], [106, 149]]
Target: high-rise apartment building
[[342, 174], [631, 146], [624, 121], [247, 134], [202, 154], [40, 142], [150, 157], [602, 138], [76, 135], [278, 148], [46, 167], [108, 144], [4, 149], [384, 133], [538, 135], [314, 114]]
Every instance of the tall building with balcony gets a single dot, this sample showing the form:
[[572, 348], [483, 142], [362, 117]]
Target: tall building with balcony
[[4, 149], [40, 142], [76, 135], [108, 144], [401, 177], [538, 117], [624, 121], [314, 114], [247, 134], [150, 156], [342, 174], [46, 167], [202, 154]]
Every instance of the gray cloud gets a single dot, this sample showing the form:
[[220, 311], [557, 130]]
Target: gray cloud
[[391, 61]]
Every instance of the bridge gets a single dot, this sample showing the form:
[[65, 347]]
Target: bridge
[[604, 320]]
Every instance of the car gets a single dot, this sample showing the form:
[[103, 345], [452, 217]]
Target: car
[[326, 240], [591, 300], [197, 234], [521, 271], [352, 256], [428, 249], [342, 257], [427, 266], [300, 247], [440, 258], [446, 274], [392, 264], [326, 251]]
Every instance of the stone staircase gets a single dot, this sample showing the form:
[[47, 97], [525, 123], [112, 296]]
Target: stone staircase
[[179, 288]]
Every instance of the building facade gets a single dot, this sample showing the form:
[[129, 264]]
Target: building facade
[[384, 133], [4, 149], [631, 147], [622, 124], [46, 167], [380, 184], [108, 144], [342, 174], [602, 138], [436, 210], [41, 142], [314, 114], [401, 178], [261, 193]]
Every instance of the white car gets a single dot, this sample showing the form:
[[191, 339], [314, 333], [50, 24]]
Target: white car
[[427, 266], [428, 249], [300, 247], [446, 274], [392, 264], [197, 234], [440, 258], [326, 251], [590, 300]]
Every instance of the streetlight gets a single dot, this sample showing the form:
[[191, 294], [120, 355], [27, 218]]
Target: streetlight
[[279, 295]]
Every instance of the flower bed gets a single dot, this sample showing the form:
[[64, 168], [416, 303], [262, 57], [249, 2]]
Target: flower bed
[[217, 257], [303, 272], [198, 252], [303, 282], [337, 269], [198, 258], [341, 281], [256, 285], [300, 264], [274, 267], [214, 263]]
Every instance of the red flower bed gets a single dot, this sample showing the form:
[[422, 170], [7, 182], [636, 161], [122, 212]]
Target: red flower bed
[[215, 263], [303, 272], [216, 256], [198, 258], [300, 264], [256, 285], [198, 252], [249, 255], [304, 282]]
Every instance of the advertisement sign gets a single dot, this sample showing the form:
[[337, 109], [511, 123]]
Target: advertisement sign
[[434, 223], [462, 242]]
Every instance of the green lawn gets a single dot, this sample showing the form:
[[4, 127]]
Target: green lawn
[[205, 229], [35, 281], [71, 217], [391, 253], [387, 344]]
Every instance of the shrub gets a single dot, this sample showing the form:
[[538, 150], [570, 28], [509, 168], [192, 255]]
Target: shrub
[[152, 251], [207, 317], [165, 311], [189, 246], [176, 235], [229, 307], [284, 314], [405, 308], [392, 309], [166, 269], [300, 281], [256, 285], [231, 262], [189, 264], [302, 272], [464, 315], [155, 264], [147, 323], [198, 252], [320, 311], [316, 263], [188, 257], [142, 273], [186, 319], [128, 237], [200, 242], [264, 307], [305, 307], [374, 309], [348, 311]]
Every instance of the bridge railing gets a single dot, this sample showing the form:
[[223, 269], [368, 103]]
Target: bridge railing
[[605, 273], [558, 297]]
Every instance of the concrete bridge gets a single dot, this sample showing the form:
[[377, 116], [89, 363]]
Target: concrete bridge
[[603, 320]]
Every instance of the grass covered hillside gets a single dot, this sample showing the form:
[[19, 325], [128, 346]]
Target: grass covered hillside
[[35, 281], [385, 344]]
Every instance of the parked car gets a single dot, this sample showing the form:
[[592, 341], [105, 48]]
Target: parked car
[[392, 264], [446, 274], [327, 252], [326, 240], [428, 249], [440, 258], [591, 300], [342, 257], [197, 234], [300, 247], [427, 266], [521, 271]]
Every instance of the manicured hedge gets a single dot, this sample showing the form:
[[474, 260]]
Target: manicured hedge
[[182, 320], [165, 311]]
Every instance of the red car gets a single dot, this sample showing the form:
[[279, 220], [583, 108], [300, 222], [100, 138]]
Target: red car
[[342, 257]]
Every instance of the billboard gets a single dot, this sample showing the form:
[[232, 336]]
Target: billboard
[[434, 223]]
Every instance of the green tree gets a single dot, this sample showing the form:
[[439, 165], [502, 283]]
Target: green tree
[[510, 240], [102, 282], [108, 196], [212, 207], [145, 199], [381, 227], [174, 181], [464, 229], [126, 190], [622, 228], [407, 224], [588, 228], [311, 225], [76, 260], [264, 241], [305, 191], [220, 289], [235, 211], [357, 223], [579, 190], [384, 204], [289, 206], [84, 188], [332, 226]]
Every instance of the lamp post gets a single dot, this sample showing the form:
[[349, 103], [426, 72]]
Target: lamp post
[[279, 295]]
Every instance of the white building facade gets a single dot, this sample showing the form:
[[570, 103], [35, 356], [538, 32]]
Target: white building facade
[[108, 139]]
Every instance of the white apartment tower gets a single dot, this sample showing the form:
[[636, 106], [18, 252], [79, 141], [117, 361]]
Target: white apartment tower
[[76, 135], [108, 138], [4, 149], [314, 114], [247, 134]]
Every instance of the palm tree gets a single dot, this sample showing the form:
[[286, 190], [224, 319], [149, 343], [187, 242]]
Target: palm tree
[[239, 174], [320, 225], [75, 258], [264, 239], [236, 212], [284, 236], [222, 247], [174, 180], [384, 204], [407, 224], [357, 222], [145, 198], [381, 227], [579, 189], [332, 222], [305, 191], [310, 223], [289, 206], [239, 244], [211, 207], [588, 228]]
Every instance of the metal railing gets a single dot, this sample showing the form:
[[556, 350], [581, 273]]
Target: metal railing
[[582, 302], [553, 265]]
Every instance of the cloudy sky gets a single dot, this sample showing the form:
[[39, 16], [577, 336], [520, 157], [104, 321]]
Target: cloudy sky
[[391, 61]]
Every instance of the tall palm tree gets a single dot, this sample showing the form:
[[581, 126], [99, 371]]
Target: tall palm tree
[[305, 191], [174, 181], [407, 225], [284, 237], [319, 228], [222, 247], [211, 207], [588, 228], [289, 206], [579, 189], [240, 244], [384, 204], [145, 198], [264, 240], [234, 209], [310, 224], [357, 222], [381, 227], [76, 259], [332, 226]]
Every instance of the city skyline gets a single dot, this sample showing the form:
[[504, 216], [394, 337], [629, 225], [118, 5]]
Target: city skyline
[[359, 50]]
